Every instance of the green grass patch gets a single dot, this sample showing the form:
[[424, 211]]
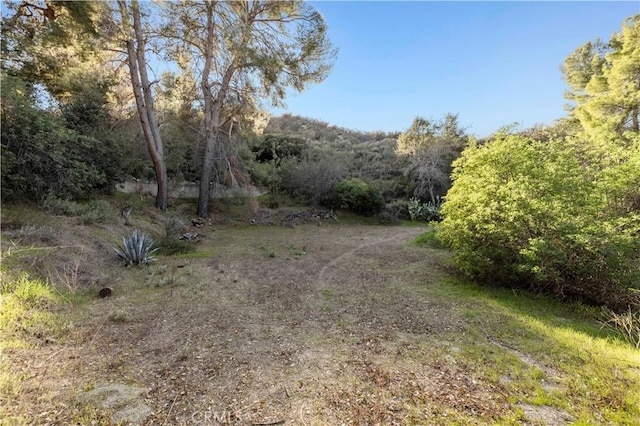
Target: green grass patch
[[545, 352], [428, 239], [171, 246], [28, 311]]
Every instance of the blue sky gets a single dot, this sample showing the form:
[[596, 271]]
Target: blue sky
[[493, 63]]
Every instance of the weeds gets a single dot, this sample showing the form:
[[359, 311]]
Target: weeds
[[428, 239], [26, 309], [96, 211], [29, 234], [296, 252], [69, 277], [173, 246], [626, 325], [171, 243], [59, 206], [268, 251]]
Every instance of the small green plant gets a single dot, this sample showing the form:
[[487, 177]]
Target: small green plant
[[626, 324], [296, 252], [172, 244], [137, 249], [268, 251], [423, 211]]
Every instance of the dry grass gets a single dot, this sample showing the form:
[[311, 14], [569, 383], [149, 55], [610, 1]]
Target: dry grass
[[331, 324]]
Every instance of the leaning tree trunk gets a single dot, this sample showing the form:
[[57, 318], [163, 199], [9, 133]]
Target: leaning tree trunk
[[144, 100]]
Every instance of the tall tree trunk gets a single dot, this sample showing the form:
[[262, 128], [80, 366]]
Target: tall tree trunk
[[209, 119], [144, 98], [213, 108], [204, 194]]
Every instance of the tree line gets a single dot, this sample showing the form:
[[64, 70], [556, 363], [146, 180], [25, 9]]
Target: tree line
[[88, 65]]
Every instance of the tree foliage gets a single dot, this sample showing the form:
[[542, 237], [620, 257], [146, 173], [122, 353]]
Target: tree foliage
[[431, 147], [604, 82], [55, 85], [244, 52]]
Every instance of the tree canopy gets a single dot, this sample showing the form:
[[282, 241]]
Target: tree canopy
[[604, 82]]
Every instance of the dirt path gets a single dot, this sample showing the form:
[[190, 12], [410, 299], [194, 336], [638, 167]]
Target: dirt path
[[312, 325], [306, 325], [401, 234]]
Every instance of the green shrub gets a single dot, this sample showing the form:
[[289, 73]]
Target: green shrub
[[173, 227], [42, 155], [97, 211], [427, 212], [399, 209], [59, 206], [534, 214], [172, 245], [356, 196], [388, 217]]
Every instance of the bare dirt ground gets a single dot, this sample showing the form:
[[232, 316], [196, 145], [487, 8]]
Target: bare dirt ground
[[269, 325]]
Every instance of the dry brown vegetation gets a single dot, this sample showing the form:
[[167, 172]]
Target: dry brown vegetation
[[316, 324]]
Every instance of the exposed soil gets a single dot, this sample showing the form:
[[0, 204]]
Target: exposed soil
[[306, 325]]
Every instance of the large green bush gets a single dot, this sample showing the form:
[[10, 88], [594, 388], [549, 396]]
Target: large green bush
[[42, 156], [356, 196], [539, 215]]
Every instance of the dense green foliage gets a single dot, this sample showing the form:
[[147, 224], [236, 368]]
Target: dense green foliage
[[558, 209], [532, 214], [43, 154], [356, 196], [332, 153]]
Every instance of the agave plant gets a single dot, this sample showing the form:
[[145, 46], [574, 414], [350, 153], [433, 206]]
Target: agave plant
[[137, 249]]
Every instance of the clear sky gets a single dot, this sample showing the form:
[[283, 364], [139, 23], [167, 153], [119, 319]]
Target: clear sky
[[493, 63]]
